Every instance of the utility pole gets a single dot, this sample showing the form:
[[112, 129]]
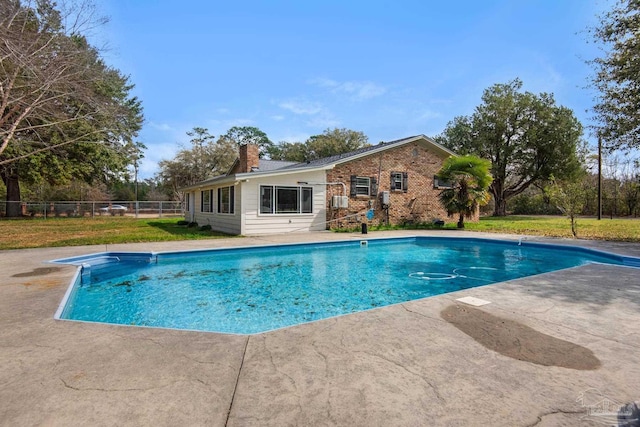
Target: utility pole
[[599, 178]]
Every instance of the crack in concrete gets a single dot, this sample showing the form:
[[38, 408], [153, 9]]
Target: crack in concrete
[[235, 387], [553, 412], [109, 390], [417, 313], [433, 387]]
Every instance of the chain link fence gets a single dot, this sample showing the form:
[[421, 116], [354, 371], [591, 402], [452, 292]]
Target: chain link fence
[[78, 209]]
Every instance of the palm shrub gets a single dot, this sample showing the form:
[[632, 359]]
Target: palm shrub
[[469, 179]]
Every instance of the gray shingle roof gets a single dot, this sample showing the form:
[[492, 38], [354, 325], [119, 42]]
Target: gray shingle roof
[[271, 165], [345, 156]]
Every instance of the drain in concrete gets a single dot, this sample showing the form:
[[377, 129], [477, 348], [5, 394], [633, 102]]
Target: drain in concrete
[[519, 341]]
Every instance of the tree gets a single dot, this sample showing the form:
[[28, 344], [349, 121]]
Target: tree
[[289, 151], [469, 179], [64, 113], [526, 137], [330, 143], [570, 198], [205, 159], [617, 75], [335, 141], [249, 135]]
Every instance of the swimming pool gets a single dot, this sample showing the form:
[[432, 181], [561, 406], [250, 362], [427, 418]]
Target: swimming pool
[[256, 289]]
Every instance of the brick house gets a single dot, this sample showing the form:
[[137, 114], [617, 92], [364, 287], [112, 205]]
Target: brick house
[[392, 182]]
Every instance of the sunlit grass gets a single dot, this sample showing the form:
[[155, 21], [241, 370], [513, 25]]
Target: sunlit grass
[[55, 232], [619, 229]]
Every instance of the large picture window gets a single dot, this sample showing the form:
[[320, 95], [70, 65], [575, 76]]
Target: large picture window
[[226, 200], [285, 200], [206, 201]]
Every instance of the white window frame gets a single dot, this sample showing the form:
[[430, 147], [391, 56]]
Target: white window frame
[[231, 205], [274, 199], [209, 205], [360, 185]]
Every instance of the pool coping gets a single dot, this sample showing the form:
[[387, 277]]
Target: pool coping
[[83, 264]]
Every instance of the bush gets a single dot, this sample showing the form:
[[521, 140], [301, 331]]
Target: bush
[[192, 224], [183, 222], [531, 204], [205, 228]]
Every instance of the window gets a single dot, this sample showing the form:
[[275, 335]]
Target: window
[[266, 199], [399, 181], [307, 200], [437, 183], [226, 200], [363, 186], [206, 201], [285, 200]]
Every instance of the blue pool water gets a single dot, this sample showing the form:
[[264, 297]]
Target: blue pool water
[[253, 290]]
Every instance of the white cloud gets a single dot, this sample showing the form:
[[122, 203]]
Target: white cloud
[[324, 121], [318, 115], [161, 126], [357, 90], [154, 154], [277, 118], [298, 106]]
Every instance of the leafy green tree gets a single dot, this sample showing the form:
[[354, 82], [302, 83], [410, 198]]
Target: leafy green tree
[[617, 75], [335, 141], [469, 178], [330, 143], [249, 135], [64, 114], [526, 137], [570, 197], [205, 159], [289, 151]]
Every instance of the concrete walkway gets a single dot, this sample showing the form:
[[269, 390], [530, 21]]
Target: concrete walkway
[[404, 365]]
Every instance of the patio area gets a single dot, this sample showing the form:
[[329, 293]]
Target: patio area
[[407, 364]]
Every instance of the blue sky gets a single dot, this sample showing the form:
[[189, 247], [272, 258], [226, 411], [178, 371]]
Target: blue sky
[[296, 68]]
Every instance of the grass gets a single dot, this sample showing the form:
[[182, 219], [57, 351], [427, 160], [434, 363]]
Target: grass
[[618, 229], [56, 232]]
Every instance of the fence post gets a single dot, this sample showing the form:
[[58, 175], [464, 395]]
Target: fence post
[[160, 213], [137, 207]]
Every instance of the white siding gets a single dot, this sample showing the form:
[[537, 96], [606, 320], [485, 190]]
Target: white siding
[[226, 223], [256, 223]]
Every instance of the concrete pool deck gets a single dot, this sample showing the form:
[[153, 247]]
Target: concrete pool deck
[[399, 365]]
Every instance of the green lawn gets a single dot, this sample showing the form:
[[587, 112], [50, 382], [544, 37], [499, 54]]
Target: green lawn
[[620, 229], [53, 232]]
